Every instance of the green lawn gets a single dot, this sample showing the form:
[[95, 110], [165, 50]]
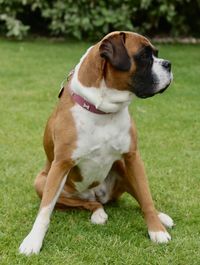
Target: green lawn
[[168, 128]]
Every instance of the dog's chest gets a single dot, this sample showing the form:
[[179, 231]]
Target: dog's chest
[[101, 140]]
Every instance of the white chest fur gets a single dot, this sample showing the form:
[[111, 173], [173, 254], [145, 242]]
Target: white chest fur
[[101, 141]]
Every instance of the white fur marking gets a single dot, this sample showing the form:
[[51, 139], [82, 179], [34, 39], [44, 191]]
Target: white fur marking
[[101, 141], [166, 220], [164, 77], [159, 237], [33, 241], [99, 217]]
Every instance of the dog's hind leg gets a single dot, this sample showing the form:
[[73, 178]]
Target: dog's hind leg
[[40, 179], [98, 214]]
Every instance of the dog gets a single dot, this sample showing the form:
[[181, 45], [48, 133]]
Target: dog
[[90, 139]]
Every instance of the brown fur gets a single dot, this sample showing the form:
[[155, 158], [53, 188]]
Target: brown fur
[[60, 141]]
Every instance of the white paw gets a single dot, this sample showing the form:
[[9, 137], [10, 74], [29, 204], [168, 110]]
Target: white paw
[[99, 216], [159, 237], [166, 220], [31, 244]]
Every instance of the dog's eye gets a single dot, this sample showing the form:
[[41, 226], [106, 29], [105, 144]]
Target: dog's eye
[[144, 57], [146, 53]]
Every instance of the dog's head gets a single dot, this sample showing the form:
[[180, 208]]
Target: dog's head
[[131, 63]]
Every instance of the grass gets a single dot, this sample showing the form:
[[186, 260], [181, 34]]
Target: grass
[[168, 128]]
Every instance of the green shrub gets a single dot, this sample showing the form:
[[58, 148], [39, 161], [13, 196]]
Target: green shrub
[[14, 27], [90, 19]]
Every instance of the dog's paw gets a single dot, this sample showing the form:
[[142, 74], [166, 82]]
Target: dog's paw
[[166, 220], [160, 236], [30, 245], [99, 217]]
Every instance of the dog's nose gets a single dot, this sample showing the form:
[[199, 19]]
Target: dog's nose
[[167, 65]]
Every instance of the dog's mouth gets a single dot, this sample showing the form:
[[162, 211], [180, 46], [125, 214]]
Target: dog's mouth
[[149, 95], [143, 96], [163, 89]]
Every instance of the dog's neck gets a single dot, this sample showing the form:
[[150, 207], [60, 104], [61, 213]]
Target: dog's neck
[[108, 100]]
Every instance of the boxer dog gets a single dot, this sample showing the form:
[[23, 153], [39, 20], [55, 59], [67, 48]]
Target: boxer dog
[[90, 139]]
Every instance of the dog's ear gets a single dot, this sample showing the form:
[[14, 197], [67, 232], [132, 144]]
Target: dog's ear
[[113, 49]]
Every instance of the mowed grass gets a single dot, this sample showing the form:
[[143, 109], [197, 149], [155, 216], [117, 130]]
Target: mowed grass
[[168, 130]]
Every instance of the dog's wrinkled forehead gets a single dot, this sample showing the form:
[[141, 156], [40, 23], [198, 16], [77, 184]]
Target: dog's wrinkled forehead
[[132, 41]]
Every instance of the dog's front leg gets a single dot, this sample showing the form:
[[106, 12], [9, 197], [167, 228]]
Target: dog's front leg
[[137, 185], [55, 181]]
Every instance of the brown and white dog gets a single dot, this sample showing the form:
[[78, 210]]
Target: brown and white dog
[[90, 139]]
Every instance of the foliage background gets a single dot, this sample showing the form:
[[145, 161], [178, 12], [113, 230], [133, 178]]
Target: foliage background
[[91, 19]]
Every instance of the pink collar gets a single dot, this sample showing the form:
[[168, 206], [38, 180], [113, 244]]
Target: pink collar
[[80, 100], [86, 105]]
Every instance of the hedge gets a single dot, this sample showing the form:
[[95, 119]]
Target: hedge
[[90, 19]]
